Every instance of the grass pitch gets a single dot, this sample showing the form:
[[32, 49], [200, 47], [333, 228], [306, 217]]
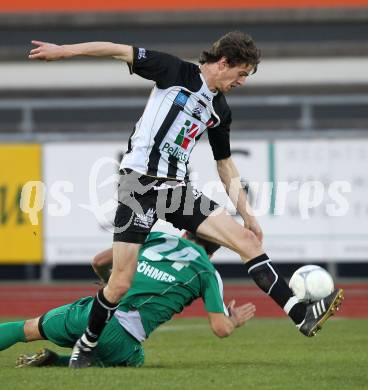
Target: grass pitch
[[264, 354]]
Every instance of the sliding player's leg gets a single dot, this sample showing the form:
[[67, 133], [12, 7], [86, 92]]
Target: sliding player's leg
[[31, 330], [19, 332], [11, 333], [63, 325], [26, 331], [42, 358], [116, 347]]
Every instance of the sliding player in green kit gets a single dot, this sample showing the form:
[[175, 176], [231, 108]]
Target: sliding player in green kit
[[171, 273]]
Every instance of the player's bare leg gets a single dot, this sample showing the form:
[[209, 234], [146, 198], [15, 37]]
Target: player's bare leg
[[44, 357], [223, 229], [106, 302], [123, 270], [31, 330], [19, 331]]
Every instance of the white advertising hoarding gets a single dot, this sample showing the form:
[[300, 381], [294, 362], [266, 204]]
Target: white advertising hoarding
[[81, 197], [309, 196], [325, 216], [251, 158], [81, 180]]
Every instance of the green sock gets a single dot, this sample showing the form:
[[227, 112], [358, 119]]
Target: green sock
[[11, 333]]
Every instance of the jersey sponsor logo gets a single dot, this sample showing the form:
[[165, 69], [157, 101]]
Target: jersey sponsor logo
[[145, 220], [154, 273], [181, 99], [141, 53], [206, 96], [187, 133], [175, 152]]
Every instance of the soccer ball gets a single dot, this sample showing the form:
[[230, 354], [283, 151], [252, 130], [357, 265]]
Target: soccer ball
[[311, 283]]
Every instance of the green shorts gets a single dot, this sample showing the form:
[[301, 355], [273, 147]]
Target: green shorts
[[64, 325]]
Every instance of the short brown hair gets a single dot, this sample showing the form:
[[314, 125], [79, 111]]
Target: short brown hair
[[237, 47]]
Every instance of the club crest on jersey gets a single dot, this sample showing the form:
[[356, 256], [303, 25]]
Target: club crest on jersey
[[187, 133]]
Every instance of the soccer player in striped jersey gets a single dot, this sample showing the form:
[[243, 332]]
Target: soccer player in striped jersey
[[185, 101], [171, 273]]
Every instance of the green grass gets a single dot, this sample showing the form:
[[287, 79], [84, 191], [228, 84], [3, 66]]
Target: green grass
[[264, 354]]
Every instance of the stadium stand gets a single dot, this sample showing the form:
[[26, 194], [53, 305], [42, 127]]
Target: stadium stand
[[298, 46]]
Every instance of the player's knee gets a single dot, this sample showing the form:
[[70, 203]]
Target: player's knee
[[247, 244]]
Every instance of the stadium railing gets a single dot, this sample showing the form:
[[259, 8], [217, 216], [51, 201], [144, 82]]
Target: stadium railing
[[20, 118]]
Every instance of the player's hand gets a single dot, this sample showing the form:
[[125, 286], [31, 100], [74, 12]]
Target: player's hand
[[241, 314], [255, 227], [46, 51]]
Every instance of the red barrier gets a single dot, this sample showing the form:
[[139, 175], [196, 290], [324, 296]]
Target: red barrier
[[33, 300], [162, 5]]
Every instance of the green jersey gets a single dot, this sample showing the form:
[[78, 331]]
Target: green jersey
[[171, 273]]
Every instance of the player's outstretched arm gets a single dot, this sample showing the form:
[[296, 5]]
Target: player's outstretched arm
[[223, 326], [50, 52]]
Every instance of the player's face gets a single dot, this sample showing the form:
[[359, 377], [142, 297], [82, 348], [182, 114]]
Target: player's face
[[232, 77]]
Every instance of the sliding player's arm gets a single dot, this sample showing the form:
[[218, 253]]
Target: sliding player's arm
[[223, 325], [51, 52], [223, 320], [102, 264]]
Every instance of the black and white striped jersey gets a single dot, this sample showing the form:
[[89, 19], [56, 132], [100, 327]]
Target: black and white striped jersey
[[180, 108]]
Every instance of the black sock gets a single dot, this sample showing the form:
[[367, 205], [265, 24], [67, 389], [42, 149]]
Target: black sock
[[270, 280], [101, 312]]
